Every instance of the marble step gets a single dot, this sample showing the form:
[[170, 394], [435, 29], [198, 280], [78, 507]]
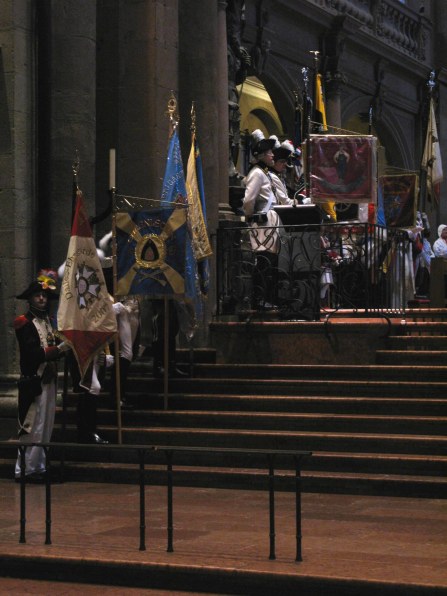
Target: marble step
[[242, 420], [408, 357]]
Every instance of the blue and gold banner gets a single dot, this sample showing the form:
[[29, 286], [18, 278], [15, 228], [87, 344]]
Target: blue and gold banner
[[151, 251]]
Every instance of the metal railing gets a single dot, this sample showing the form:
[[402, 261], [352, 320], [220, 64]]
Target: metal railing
[[142, 452], [318, 266]]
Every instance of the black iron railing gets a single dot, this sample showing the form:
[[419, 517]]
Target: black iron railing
[[143, 452], [330, 266]]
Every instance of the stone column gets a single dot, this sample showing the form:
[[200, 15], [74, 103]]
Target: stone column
[[334, 82], [17, 174], [439, 19], [148, 53], [334, 41], [67, 116], [225, 212], [199, 81]]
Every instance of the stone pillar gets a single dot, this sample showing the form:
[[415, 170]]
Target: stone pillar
[[439, 19], [148, 54], [199, 81], [225, 212], [334, 82], [67, 116], [333, 42], [17, 174]]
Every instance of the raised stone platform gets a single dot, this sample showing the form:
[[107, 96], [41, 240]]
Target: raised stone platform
[[351, 544]]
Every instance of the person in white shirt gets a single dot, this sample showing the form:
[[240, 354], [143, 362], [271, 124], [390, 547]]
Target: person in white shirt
[[259, 200], [440, 245]]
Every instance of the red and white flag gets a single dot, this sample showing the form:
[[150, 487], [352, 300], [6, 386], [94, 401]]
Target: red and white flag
[[85, 316]]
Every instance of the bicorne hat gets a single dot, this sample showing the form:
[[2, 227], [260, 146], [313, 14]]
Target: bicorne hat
[[283, 150], [45, 281], [259, 144]]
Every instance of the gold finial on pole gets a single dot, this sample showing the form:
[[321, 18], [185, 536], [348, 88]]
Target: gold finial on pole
[[75, 167], [172, 113], [193, 118], [316, 55]]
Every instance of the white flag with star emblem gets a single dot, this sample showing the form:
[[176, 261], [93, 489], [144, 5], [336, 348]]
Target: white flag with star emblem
[[85, 316]]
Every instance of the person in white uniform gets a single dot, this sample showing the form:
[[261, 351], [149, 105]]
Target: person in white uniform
[[258, 203]]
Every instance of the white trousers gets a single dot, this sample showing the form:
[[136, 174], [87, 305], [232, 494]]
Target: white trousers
[[41, 431], [128, 324]]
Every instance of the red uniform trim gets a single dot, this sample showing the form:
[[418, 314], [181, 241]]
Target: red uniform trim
[[20, 322], [51, 353]]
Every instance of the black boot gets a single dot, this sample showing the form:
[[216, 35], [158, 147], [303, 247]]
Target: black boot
[[87, 420], [124, 370], [175, 371]]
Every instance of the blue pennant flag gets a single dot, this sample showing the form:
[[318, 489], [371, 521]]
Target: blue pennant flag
[[189, 309], [380, 217]]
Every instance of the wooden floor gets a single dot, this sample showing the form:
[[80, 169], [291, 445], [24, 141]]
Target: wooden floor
[[351, 544]]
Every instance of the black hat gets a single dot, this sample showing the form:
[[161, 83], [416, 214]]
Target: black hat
[[45, 281], [260, 144], [283, 151]]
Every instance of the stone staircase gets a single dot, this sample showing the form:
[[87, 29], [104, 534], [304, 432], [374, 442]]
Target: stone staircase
[[375, 429]]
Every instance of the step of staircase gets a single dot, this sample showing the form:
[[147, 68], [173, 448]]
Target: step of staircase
[[406, 357], [252, 478], [372, 429], [416, 327], [415, 388], [252, 420], [270, 439], [332, 372], [416, 342]]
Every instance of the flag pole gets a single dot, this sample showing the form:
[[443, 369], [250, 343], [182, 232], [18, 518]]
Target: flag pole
[[165, 351], [423, 172], [307, 109], [75, 169], [112, 191], [172, 114], [315, 54]]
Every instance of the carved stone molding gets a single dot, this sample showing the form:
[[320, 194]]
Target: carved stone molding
[[392, 22]]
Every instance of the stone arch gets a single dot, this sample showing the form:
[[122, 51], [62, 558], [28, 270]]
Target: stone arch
[[279, 86], [388, 130]]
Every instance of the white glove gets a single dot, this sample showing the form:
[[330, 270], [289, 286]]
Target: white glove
[[110, 360], [63, 347], [118, 308]]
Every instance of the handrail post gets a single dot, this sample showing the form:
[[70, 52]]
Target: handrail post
[[170, 548], [64, 419], [272, 555], [141, 454], [169, 452], [22, 451], [299, 554], [47, 496]]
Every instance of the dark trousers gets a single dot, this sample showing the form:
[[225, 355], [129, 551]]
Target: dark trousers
[[158, 322], [265, 278], [86, 409]]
